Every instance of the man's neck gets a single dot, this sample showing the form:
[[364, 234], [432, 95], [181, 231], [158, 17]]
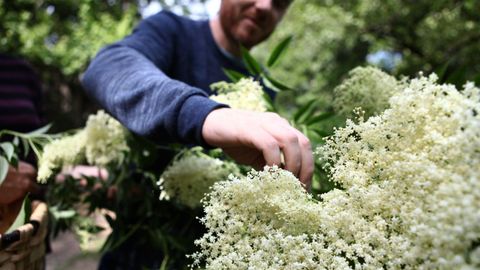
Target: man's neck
[[223, 40]]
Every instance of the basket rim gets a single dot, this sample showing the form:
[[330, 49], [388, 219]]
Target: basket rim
[[36, 219]]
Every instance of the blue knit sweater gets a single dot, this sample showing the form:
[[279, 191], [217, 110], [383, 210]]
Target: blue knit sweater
[[156, 80]]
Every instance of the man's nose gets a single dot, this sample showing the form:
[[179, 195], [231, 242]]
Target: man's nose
[[264, 5]]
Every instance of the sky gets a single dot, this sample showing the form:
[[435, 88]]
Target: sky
[[198, 10]]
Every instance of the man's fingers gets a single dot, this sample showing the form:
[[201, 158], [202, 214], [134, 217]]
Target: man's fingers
[[288, 140], [270, 148], [245, 135], [306, 171]]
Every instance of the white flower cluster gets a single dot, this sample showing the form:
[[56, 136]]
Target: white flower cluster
[[262, 221], [106, 140], [103, 141], [61, 152], [191, 175], [367, 88], [410, 195], [246, 94]]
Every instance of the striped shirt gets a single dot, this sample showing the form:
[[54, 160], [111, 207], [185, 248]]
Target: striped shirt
[[20, 95]]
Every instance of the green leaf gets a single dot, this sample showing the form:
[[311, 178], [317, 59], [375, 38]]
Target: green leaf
[[441, 71], [320, 133], [39, 131], [23, 216], [233, 75], [164, 264], [3, 168], [269, 101], [64, 214], [8, 149], [274, 84], [14, 161], [319, 118], [303, 110], [16, 141], [26, 147], [278, 51], [307, 115], [252, 65], [476, 80], [110, 220]]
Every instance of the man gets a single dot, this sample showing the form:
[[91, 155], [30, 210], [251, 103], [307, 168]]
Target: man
[[156, 82]]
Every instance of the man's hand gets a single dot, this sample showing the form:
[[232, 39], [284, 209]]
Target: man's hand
[[18, 183], [259, 139]]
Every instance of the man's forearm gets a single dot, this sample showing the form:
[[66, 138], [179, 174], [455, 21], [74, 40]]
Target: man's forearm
[[144, 99]]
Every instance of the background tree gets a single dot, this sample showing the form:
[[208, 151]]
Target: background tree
[[59, 37], [402, 37]]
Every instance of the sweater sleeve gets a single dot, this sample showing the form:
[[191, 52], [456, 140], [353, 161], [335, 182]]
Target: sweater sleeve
[[129, 80]]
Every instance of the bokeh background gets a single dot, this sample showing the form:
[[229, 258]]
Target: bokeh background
[[402, 37], [59, 37]]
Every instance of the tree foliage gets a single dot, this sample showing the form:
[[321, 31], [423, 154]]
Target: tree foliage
[[332, 37], [59, 38]]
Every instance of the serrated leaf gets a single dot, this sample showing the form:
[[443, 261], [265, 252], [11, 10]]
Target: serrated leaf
[[23, 216], [303, 110], [3, 168], [252, 65], [278, 86], [8, 149], [233, 75], [39, 131], [319, 118], [279, 51]]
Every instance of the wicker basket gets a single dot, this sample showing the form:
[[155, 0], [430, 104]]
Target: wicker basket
[[24, 248]]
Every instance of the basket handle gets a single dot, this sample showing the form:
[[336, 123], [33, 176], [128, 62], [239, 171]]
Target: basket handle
[[8, 239]]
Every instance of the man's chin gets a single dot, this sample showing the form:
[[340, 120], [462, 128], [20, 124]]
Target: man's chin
[[250, 40]]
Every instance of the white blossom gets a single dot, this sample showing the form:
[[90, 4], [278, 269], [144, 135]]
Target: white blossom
[[102, 142], [191, 175], [409, 195], [64, 151], [246, 94], [106, 140], [367, 88]]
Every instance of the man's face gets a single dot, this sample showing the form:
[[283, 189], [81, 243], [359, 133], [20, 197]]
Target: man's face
[[249, 22]]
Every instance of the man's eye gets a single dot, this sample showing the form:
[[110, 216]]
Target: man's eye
[[281, 4]]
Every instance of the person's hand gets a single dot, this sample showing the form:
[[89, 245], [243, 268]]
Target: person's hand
[[18, 182], [259, 139], [81, 171]]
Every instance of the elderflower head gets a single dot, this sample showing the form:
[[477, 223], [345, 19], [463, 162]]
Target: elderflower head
[[106, 140], [415, 169], [246, 94], [409, 197], [191, 175], [365, 87], [64, 151], [102, 142], [258, 222]]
